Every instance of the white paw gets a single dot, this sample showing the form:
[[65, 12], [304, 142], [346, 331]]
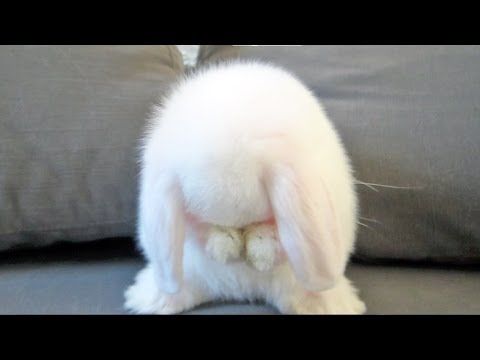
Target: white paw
[[320, 307], [143, 297], [262, 248], [341, 300], [358, 307], [224, 244], [346, 300]]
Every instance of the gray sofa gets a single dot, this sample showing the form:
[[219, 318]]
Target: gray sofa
[[71, 117]]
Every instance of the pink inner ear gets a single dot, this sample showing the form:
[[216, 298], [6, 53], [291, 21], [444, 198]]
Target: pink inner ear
[[192, 219], [270, 221], [307, 228]]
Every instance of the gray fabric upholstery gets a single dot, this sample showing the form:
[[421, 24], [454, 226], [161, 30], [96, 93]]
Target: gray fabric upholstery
[[409, 117], [208, 54], [92, 280], [70, 121], [71, 116]]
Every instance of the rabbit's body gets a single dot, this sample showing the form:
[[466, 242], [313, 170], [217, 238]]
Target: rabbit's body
[[236, 145]]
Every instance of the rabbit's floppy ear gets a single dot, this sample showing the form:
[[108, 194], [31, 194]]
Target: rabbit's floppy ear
[[162, 230], [308, 226]]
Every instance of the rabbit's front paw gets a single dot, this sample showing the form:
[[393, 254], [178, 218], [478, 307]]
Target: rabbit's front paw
[[262, 247], [224, 244]]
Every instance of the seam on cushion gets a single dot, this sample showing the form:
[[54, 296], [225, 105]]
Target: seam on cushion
[[68, 228], [173, 63]]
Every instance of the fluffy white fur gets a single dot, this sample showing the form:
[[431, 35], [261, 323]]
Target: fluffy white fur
[[233, 147]]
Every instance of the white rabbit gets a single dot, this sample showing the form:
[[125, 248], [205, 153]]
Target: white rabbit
[[243, 152]]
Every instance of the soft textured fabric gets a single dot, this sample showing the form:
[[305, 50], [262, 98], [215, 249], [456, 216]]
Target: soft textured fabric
[[409, 117], [70, 117], [70, 121], [91, 278], [208, 54]]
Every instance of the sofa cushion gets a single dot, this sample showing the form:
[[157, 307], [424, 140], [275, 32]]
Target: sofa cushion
[[409, 117], [90, 278], [70, 120]]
